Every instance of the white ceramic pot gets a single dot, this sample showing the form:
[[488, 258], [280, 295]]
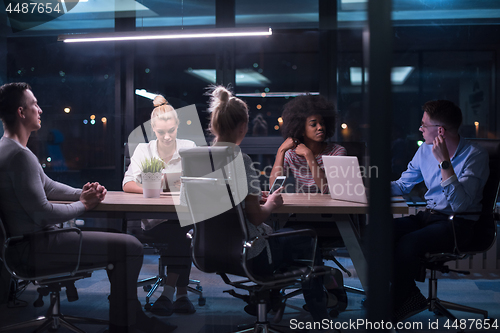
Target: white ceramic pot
[[151, 184]]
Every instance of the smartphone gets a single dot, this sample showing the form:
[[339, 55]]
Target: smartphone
[[278, 182]]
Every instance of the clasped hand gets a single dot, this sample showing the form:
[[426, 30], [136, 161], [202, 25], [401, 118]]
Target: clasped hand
[[92, 194]]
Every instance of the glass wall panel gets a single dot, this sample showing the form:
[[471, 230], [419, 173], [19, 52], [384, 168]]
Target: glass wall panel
[[175, 13], [74, 85], [277, 14], [179, 70]]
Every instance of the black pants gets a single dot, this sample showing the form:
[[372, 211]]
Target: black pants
[[177, 256], [416, 235]]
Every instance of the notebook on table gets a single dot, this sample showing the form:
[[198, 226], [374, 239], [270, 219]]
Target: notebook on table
[[344, 177]]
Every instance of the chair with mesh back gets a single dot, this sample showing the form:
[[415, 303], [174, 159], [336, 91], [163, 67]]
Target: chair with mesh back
[[221, 240], [50, 280]]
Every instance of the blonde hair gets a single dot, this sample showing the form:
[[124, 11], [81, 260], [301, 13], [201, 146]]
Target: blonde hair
[[226, 111], [163, 111]]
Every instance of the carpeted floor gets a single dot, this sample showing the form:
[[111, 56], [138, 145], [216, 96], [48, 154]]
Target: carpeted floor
[[223, 313]]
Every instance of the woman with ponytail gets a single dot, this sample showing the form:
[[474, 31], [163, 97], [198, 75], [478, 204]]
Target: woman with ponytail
[[229, 125], [165, 122]]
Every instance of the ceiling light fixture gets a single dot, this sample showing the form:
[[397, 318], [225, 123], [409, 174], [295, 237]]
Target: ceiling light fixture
[[276, 94], [165, 34], [398, 75], [145, 93]]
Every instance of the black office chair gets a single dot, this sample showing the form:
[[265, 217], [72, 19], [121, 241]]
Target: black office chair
[[484, 237], [51, 281], [151, 284], [221, 242]]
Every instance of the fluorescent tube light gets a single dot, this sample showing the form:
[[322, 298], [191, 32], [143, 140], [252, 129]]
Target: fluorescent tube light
[[276, 94], [398, 75], [145, 93], [165, 34], [244, 77]]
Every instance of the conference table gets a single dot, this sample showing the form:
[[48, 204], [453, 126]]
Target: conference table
[[128, 206]]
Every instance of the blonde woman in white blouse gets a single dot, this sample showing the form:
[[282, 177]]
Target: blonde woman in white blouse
[[165, 122]]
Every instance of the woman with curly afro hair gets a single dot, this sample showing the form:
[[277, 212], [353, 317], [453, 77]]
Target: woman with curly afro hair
[[308, 121]]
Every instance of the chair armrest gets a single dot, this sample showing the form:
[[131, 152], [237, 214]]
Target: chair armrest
[[72, 271]]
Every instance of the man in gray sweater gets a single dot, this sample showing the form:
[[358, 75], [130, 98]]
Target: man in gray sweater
[[25, 191]]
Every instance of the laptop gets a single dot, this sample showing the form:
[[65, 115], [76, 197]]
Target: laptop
[[344, 178]]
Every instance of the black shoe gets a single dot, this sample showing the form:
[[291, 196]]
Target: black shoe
[[341, 296], [183, 305], [414, 304], [332, 301], [162, 307], [339, 292]]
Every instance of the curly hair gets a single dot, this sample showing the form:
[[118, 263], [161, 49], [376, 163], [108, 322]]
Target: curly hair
[[300, 108], [445, 112]]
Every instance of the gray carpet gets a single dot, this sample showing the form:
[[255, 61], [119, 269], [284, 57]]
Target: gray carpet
[[224, 313]]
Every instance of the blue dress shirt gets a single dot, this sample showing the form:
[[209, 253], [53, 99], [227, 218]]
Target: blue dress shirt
[[449, 196]]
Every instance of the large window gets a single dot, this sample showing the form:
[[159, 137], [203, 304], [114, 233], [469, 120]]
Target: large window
[[442, 49]]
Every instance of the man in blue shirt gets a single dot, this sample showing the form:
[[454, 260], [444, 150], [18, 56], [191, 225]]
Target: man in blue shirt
[[455, 172]]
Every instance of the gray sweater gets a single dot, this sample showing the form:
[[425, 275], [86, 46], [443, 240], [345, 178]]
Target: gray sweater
[[25, 191]]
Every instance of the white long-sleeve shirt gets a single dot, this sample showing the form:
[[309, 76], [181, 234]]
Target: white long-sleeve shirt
[[148, 150]]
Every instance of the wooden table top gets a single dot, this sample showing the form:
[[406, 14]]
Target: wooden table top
[[293, 203]]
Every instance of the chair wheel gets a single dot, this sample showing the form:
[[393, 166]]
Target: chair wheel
[[148, 306], [202, 301], [147, 288]]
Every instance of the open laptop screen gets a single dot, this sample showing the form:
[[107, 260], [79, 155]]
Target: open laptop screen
[[344, 178]]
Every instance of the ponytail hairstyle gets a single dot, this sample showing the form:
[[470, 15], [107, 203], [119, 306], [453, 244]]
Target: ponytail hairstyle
[[226, 111], [163, 111]]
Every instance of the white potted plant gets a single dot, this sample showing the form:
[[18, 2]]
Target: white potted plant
[[151, 174]]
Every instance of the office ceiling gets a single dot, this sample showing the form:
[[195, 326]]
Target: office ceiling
[[98, 15]]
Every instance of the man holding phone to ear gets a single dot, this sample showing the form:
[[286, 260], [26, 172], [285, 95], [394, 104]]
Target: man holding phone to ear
[[455, 172]]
